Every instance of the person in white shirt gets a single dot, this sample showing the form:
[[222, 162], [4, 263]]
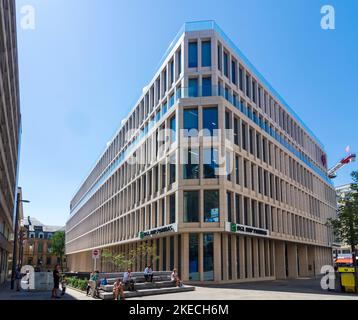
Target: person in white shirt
[[128, 281], [148, 274]]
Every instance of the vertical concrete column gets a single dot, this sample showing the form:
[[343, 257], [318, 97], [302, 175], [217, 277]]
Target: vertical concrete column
[[185, 256], [201, 257], [223, 207], [262, 257], [199, 54], [217, 257], [256, 204], [267, 257], [242, 257], [248, 257], [225, 256], [303, 260], [176, 253], [292, 260], [160, 254], [280, 263], [167, 239], [255, 246], [241, 206], [233, 256]]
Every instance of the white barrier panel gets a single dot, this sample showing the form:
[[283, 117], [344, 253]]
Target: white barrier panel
[[36, 280]]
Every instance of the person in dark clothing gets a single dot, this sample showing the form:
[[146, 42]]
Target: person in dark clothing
[[18, 277], [56, 281]]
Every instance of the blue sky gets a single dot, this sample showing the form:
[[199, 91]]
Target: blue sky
[[84, 66]]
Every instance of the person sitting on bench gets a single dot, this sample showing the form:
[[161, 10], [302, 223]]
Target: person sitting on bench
[[118, 290], [174, 277], [148, 274], [128, 281]]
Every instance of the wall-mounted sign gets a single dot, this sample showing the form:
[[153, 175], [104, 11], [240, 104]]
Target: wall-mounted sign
[[239, 228], [153, 232]]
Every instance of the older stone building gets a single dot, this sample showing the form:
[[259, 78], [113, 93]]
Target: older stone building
[[37, 244], [10, 130], [243, 196]]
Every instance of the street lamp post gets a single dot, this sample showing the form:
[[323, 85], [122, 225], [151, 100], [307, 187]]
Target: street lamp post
[[14, 254]]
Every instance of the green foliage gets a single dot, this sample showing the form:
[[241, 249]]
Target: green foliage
[[77, 283], [123, 262], [58, 245], [345, 226]]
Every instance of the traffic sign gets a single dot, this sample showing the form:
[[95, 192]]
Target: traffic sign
[[95, 254]]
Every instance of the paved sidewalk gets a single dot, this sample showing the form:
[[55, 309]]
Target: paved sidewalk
[[7, 294], [298, 289]]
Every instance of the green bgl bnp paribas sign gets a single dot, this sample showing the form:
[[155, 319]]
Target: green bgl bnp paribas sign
[[233, 227], [150, 233]]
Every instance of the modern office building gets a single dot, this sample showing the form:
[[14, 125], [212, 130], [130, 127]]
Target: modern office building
[[236, 190], [10, 130], [37, 244]]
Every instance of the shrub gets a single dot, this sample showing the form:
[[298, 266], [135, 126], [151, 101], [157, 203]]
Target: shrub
[[82, 284]]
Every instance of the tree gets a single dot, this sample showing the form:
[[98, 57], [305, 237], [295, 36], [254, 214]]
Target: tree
[[345, 226], [58, 245], [122, 261]]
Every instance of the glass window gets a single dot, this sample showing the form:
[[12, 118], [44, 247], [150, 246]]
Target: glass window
[[228, 165], [248, 86], [236, 131], [172, 169], [238, 208], [193, 87], [173, 128], [191, 163], [211, 157], [172, 208], [191, 206], [206, 87], [241, 79], [227, 120], [171, 67], [208, 256], [179, 62], [211, 206], [193, 256], [206, 53], [228, 206], [237, 175], [226, 59], [191, 119], [219, 57], [210, 119], [193, 54], [233, 72]]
